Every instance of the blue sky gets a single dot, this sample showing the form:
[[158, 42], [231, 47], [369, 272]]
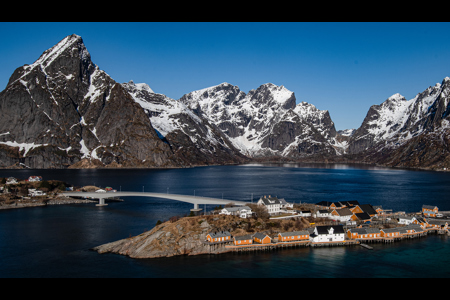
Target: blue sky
[[342, 67]]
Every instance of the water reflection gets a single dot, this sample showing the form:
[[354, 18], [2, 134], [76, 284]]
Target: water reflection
[[337, 166]]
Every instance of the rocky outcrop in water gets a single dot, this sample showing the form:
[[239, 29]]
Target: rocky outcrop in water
[[183, 237]]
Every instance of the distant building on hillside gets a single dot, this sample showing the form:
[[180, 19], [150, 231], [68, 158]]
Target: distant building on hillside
[[34, 178], [273, 204]]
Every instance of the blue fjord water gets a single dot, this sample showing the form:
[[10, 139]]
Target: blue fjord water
[[55, 241]]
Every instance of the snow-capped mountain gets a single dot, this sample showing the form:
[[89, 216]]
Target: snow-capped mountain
[[62, 111], [265, 121], [396, 119], [192, 138], [397, 124]]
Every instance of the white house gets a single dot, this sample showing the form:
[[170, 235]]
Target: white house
[[406, 220], [35, 192], [342, 215], [304, 213], [11, 180], [323, 213], [241, 211], [285, 204], [332, 233], [34, 178], [273, 204]]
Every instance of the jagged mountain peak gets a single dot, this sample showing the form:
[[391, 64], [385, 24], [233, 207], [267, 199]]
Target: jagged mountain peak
[[305, 107], [64, 110], [69, 56], [397, 119], [254, 120], [70, 43], [138, 86], [272, 95], [397, 97]]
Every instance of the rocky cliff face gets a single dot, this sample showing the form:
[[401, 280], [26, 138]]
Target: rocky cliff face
[[407, 133], [63, 109], [266, 121], [184, 237], [192, 139]]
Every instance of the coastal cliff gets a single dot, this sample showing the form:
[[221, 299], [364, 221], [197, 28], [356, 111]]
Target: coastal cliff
[[182, 237]]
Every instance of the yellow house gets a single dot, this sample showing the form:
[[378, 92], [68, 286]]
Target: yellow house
[[218, 236], [262, 238], [293, 236], [429, 211]]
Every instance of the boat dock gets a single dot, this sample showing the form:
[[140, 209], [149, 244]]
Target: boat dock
[[366, 246]]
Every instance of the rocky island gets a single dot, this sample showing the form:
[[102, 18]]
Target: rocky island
[[17, 193], [187, 236], [221, 233]]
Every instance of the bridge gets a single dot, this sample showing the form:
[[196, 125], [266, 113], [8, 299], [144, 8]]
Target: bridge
[[196, 200]]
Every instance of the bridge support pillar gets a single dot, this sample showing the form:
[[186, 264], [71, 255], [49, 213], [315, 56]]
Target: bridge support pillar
[[101, 202], [196, 209]]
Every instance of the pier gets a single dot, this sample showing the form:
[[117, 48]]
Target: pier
[[307, 243], [366, 246]]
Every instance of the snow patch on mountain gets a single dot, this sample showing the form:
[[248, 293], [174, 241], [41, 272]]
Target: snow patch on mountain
[[162, 109], [397, 120], [249, 120]]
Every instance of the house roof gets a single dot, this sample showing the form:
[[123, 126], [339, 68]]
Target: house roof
[[270, 200], [437, 222], [358, 230], [283, 201], [218, 234], [365, 230], [421, 220], [390, 230], [328, 203], [429, 206], [338, 229], [260, 235], [363, 216], [243, 237], [350, 203], [367, 208], [237, 208], [372, 230], [415, 227], [292, 233], [344, 212]]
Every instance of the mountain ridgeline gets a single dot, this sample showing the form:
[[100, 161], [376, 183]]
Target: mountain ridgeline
[[63, 111]]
